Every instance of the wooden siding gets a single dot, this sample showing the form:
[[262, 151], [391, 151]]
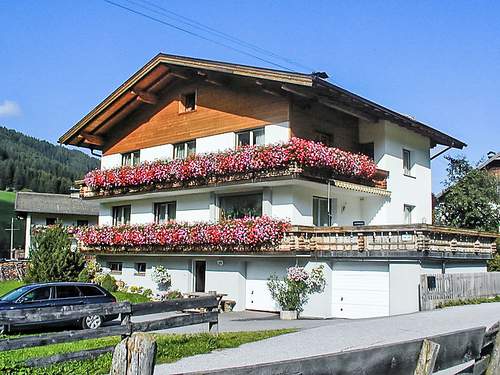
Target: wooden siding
[[219, 109], [311, 120]]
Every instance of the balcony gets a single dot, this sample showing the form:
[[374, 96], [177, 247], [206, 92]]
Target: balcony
[[297, 159], [271, 236]]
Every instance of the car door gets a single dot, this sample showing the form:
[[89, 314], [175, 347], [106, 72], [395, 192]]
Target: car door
[[67, 295], [36, 298]]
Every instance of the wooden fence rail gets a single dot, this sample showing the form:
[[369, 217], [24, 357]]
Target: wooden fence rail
[[439, 288], [206, 313], [476, 351]]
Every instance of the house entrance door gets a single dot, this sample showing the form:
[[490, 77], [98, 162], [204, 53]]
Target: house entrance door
[[200, 268]]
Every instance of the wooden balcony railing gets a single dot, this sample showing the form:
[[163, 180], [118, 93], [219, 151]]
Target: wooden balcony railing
[[377, 183], [389, 238], [383, 240]]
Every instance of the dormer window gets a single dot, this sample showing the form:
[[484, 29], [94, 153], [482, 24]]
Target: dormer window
[[187, 102], [254, 137], [184, 149], [131, 159]]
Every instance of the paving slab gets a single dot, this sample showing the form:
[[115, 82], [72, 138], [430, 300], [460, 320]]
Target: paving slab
[[331, 336]]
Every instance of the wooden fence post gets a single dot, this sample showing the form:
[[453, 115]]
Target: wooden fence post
[[494, 365], [427, 358], [134, 355]]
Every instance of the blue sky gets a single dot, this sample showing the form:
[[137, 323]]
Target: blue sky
[[436, 60]]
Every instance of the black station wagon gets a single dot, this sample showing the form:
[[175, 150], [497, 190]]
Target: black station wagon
[[57, 294]]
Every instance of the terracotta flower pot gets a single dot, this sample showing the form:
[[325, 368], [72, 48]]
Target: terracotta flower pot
[[288, 315]]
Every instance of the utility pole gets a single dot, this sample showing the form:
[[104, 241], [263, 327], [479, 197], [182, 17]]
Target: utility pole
[[11, 230]]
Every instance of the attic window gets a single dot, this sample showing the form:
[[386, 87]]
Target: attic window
[[188, 102]]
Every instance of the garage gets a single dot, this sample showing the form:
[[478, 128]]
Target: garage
[[360, 289], [258, 296]]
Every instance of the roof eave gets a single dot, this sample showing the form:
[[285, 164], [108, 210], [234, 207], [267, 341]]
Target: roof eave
[[439, 136]]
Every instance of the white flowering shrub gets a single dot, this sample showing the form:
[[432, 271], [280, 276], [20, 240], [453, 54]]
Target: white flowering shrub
[[160, 275], [292, 291]]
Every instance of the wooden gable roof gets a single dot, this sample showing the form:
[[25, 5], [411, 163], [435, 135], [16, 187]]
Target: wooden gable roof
[[163, 70]]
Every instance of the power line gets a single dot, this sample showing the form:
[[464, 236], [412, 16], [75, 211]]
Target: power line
[[198, 25], [195, 34]]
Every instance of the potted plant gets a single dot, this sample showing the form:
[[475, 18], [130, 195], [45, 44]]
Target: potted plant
[[292, 291], [161, 276]]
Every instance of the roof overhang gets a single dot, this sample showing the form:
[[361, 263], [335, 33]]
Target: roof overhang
[[161, 71]]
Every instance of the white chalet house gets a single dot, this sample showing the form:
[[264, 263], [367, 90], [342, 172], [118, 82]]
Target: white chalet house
[[373, 235]]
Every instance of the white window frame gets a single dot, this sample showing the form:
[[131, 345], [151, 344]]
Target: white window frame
[[135, 158], [184, 145], [251, 136], [407, 168], [331, 215], [408, 208], [168, 204], [120, 220], [119, 272]]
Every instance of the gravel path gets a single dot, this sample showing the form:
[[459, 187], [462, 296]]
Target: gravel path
[[338, 335]]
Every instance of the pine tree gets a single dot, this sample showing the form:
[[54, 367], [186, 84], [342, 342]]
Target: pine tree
[[51, 257]]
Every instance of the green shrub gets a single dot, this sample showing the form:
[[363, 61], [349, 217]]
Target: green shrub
[[108, 282], [84, 276], [148, 293], [173, 294], [51, 257]]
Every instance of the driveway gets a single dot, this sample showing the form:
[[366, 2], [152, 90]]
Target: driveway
[[318, 337]]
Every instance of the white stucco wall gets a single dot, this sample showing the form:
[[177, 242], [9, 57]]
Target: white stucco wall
[[465, 267], [389, 142], [215, 143], [227, 275], [277, 133], [111, 161], [162, 152], [67, 220]]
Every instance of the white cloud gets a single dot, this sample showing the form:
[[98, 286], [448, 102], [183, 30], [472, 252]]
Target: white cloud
[[9, 108]]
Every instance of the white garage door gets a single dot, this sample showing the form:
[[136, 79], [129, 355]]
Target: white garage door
[[360, 289], [257, 292]]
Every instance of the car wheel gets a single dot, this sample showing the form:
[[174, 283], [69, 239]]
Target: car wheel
[[92, 322]]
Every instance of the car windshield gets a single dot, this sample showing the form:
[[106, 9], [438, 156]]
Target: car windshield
[[16, 293]]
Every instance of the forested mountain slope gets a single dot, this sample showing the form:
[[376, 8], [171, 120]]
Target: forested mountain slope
[[30, 163]]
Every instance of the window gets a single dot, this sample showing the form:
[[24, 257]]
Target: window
[[38, 294], [407, 213], [115, 267], [184, 149], [121, 215], [140, 269], [406, 162], [164, 211], [253, 137], [67, 291], [90, 291], [82, 223], [321, 216], [131, 158], [50, 221], [187, 102], [325, 138], [238, 206], [368, 149]]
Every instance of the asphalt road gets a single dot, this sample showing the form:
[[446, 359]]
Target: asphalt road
[[318, 337]]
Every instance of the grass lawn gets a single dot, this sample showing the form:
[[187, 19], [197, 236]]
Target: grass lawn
[[470, 301], [7, 286], [171, 347]]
